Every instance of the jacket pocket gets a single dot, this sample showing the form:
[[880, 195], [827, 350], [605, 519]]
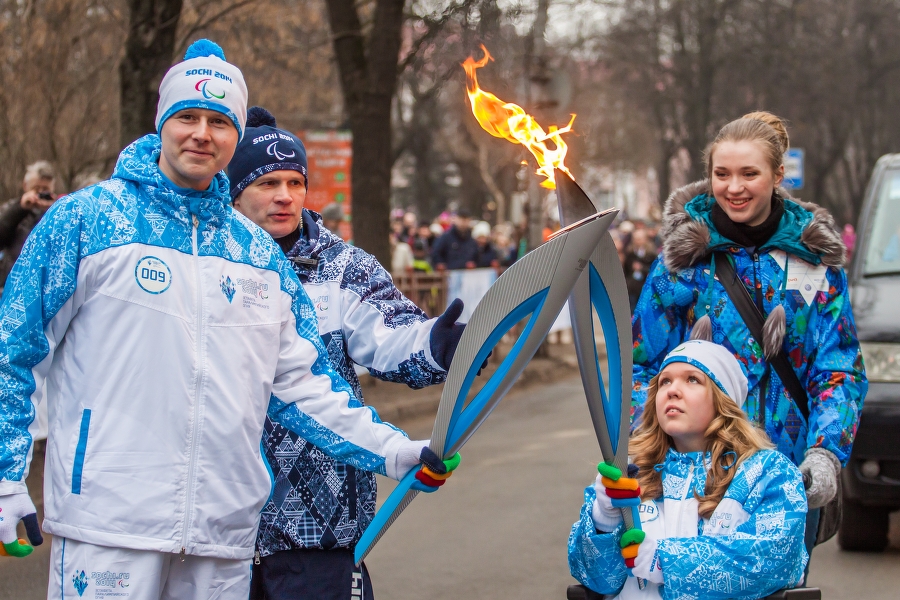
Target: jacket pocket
[[80, 449]]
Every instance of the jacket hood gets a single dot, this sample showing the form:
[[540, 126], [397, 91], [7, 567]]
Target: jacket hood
[[806, 230], [139, 163], [315, 239]]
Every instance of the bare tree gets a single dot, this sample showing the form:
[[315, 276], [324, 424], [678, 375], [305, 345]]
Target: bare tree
[[284, 51], [149, 49], [367, 62], [668, 55], [831, 68], [60, 56]]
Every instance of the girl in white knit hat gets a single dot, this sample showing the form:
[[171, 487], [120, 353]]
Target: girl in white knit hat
[[722, 513]]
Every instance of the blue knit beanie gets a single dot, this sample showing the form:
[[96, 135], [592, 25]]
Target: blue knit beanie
[[264, 149]]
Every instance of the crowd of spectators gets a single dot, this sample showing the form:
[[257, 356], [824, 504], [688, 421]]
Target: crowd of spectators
[[457, 241], [638, 244], [450, 241]]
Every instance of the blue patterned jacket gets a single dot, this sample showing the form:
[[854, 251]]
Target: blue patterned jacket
[[799, 268], [363, 319], [751, 546]]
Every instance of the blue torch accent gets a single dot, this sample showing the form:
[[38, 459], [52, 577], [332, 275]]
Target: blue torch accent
[[463, 415], [603, 306], [383, 515], [462, 418]]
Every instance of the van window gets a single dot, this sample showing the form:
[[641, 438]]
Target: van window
[[883, 253]]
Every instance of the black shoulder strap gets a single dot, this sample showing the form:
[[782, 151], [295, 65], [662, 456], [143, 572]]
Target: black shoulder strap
[[754, 320]]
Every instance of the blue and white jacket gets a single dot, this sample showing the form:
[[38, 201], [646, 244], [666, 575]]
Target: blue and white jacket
[[364, 319], [750, 547], [799, 269], [167, 326]]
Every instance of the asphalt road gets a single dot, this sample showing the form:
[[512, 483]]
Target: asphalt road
[[498, 529]]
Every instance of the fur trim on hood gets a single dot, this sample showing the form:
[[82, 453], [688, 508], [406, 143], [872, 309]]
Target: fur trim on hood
[[686, 241]]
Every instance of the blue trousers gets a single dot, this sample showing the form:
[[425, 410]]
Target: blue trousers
[[310, 575]]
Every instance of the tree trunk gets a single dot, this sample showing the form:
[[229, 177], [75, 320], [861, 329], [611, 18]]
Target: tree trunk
[[368, 71], [148, 54], [664, 174], [700, 67]]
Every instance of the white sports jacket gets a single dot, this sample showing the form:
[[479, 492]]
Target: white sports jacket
[[166, 326]]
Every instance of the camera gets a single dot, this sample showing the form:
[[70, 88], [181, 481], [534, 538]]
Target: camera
[[45, 196]]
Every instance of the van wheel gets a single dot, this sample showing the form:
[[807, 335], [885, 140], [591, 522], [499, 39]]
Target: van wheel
[[863, 528]]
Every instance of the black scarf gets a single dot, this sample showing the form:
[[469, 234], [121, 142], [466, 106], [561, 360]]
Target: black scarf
[[287, 242], [749, 236]]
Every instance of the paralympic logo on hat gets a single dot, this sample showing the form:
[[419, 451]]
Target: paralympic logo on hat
[[272, 150], [201, 87]]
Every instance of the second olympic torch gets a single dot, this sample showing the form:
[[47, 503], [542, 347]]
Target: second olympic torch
[[601, 288]]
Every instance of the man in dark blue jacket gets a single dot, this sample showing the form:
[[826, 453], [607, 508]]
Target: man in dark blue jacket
[[320, 507], [456, 249]]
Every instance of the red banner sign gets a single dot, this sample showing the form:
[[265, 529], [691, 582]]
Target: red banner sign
[[330, 154]]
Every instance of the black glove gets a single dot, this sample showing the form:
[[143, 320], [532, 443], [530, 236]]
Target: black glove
[[434, 472], [432, 461], [445, 336]]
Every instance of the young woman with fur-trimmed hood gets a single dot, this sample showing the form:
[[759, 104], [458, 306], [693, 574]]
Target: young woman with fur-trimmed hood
[[789, 258]]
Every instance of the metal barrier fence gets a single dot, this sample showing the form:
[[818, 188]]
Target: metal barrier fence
[[427, 290]]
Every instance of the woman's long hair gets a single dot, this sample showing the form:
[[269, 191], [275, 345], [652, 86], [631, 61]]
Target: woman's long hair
[[729, 431]]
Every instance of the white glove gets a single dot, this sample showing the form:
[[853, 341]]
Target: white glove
[[408, 457], [646, 564], [14, 508], [822, 468], [606, 517]]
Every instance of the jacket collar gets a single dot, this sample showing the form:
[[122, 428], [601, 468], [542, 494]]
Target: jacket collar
[[139, 163], [315, 238], [806, 230], [675, 458]]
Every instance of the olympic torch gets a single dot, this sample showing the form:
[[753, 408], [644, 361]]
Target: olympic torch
[[536, 287], [602, 285], [601, 288]]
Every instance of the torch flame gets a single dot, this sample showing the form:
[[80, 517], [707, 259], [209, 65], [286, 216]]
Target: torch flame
[[510, 122]]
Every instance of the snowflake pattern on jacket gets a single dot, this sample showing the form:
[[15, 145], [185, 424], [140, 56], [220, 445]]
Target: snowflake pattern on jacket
[[759, 551], [820, 341], [319, 502]]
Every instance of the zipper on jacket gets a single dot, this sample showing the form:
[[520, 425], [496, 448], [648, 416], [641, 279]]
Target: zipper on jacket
[[687, 490], [764, 380], [192, 459], [757, 284], [256, 557]]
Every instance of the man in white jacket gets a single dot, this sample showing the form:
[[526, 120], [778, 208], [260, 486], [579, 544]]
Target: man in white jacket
[[166, 327]]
